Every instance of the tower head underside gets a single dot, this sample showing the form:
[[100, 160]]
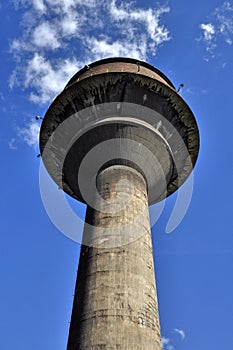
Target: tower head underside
[[119, 111]]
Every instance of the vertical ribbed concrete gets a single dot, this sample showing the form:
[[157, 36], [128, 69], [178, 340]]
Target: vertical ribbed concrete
[[115, 303]]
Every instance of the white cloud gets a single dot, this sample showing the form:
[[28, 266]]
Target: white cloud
[[58, 37], [18, 45], [45, 79], [70, 24], [209, 38], [12, 144], [180, 332], [208, 31], [30, 133], [79, 31], [61, 6], [39, 5], [101, 48], [218, 30], [13, 80], [46, 36], [165, 341], [166, 344], [149, 18]]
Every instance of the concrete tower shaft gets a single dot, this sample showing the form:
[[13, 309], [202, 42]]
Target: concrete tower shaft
[[115, 303]]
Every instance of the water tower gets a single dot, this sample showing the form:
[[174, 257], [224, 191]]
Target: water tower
[[119, 137]]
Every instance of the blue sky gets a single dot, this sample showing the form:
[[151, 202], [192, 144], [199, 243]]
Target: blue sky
[[43, 43]]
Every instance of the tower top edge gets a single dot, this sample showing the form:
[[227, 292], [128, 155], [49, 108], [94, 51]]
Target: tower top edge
[[118, 61]]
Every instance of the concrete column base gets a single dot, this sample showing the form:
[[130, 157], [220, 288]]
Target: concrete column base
[[115, 303]]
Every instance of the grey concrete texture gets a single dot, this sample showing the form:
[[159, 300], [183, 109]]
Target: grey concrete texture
[[115, 302], [130, 93], [118, 137]]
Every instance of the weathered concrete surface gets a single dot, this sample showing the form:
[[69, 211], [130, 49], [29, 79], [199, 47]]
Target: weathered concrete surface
[[115, 302], [153, 135], [123, 91]]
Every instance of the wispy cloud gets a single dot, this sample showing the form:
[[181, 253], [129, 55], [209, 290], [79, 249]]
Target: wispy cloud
[[39, 5], [208, 35], [166, 344], [46, 36], [29, 134], [218, 29], [180, 332], [45, 79], [12, 143], [149, 18], [59, 36]]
